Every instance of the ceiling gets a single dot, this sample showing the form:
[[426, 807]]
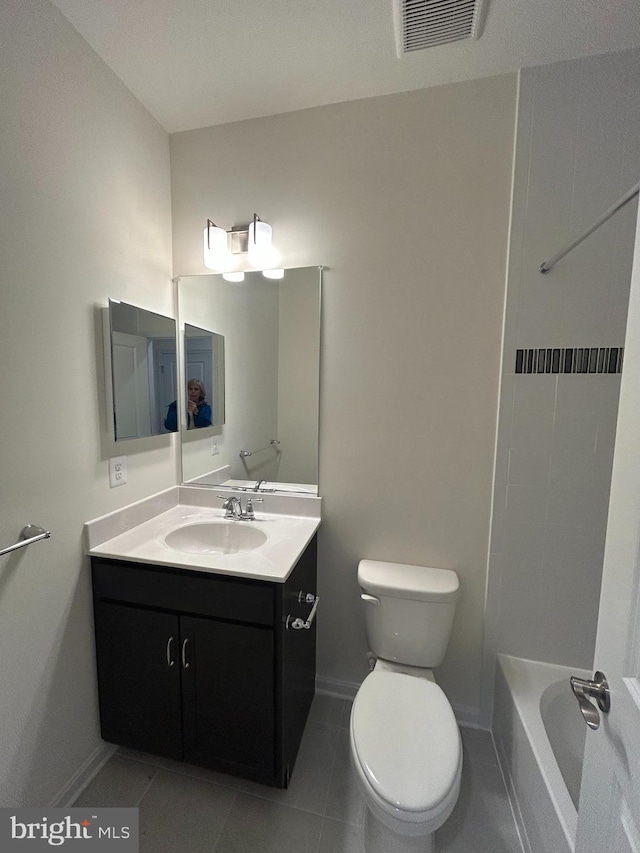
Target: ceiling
[[195, 63]]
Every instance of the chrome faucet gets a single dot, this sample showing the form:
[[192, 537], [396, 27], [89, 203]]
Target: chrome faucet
[[261, 486], [233, 508]]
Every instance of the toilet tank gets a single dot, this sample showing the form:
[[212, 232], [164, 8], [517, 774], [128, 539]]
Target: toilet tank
[[409, 611]]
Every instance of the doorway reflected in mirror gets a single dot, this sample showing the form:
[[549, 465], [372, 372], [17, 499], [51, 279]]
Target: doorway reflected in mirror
[[142, 348]]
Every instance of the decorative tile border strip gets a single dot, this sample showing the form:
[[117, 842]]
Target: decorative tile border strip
[[570, 360]]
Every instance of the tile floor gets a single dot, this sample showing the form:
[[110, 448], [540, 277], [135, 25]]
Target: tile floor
[[185, 809]]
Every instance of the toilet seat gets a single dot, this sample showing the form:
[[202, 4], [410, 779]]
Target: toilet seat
[[406, 746]]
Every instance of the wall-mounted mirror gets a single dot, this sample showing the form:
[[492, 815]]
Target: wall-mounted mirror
[[143, 370], [271, 332]]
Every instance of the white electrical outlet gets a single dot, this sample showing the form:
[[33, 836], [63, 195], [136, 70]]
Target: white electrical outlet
[[117, 471], [215, 449]]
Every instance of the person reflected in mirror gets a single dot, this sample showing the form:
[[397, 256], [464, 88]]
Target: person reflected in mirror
[[198, 410]]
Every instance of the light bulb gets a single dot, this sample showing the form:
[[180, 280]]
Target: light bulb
[[259, 248], [217, 256], [233, 276], [273, 273]]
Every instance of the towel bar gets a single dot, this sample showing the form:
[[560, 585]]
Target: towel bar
[[30, 533], [272, 443]]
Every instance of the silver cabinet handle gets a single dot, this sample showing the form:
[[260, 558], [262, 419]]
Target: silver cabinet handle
[[298, 624], [597, 689], [185, 662], [170, 660]]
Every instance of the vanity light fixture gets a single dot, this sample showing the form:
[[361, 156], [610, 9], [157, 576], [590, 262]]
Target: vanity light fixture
[[273, 273], [221, 248]]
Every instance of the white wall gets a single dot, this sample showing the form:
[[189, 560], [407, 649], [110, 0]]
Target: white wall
[[405, 199], [85, 215], [578, 150]]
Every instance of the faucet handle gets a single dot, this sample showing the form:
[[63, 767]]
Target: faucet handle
[[249, 513], [227, 504]]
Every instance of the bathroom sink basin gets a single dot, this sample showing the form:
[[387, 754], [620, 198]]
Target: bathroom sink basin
[[216, 537], [199, 538]]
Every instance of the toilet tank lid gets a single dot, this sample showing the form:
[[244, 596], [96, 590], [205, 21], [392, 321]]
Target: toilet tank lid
[[399, 580]]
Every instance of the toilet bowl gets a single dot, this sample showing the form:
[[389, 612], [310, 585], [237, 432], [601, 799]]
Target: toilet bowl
[[405, 745], [407, 758]]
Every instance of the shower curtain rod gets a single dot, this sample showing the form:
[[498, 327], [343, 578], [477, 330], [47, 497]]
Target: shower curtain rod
[[545, 266]]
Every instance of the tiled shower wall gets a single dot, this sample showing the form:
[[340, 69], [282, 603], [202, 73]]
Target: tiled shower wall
[[577, 151]]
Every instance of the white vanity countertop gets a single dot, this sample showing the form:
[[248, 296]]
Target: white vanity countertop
[[137, 533]]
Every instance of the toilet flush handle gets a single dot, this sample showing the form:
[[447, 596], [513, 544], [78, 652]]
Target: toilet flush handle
[[370, 598]]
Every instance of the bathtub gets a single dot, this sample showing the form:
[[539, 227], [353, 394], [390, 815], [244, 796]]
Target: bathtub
[[539, 734]]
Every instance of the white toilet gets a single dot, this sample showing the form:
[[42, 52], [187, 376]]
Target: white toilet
[[405, 743]]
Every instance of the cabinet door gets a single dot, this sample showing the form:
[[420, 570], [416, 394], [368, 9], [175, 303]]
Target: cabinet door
[[139, 678], [228, 696]]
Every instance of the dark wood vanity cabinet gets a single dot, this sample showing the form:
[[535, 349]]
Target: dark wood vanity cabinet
[[202, 668]]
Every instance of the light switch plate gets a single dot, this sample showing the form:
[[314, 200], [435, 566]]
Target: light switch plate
[[215, 448], [117, 471]]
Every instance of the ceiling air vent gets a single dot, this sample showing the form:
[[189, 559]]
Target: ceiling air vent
[[427, 23]]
